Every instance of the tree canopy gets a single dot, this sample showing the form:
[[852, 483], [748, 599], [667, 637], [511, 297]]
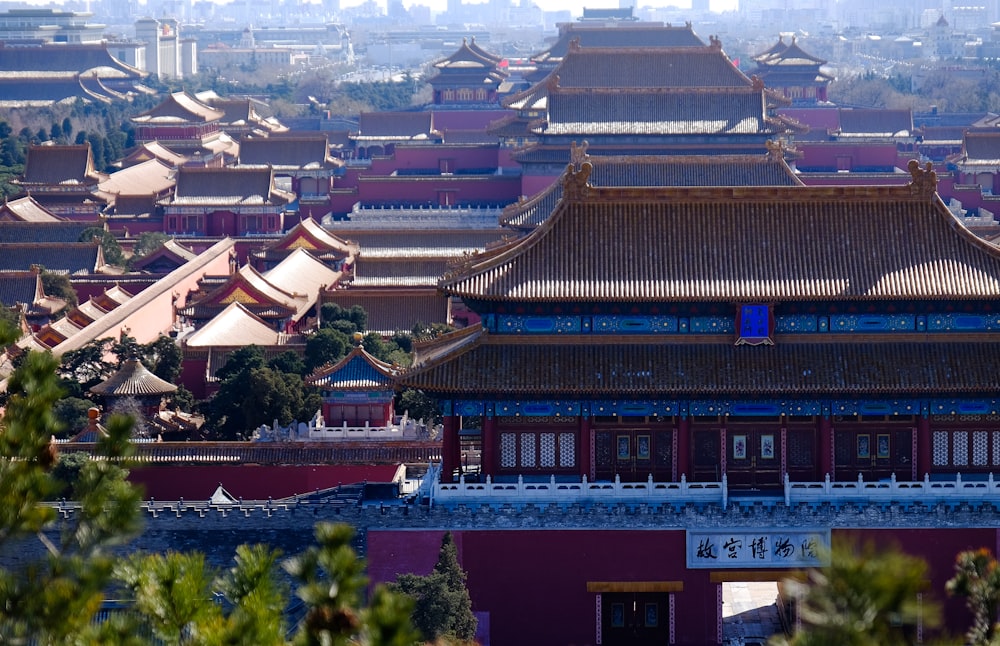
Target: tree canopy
[[54, 598]]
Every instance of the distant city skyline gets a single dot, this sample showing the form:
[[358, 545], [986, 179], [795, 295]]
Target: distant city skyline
[[573, 6]]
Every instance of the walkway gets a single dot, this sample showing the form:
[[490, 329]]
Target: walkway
[[749, 612]]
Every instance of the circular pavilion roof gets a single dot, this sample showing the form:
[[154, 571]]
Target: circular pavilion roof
[[133, 379]]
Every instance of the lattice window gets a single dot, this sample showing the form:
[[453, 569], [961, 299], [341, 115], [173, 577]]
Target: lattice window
[[664, 449], [567, 450], [960, 449], [547, 449], [940, 441], [996, 448], [527, 450], [980, 448], [602, 449], [800, 449], [508, 450]]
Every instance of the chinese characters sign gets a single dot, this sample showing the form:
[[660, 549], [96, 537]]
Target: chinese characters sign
[[784, 548], [754, 325]]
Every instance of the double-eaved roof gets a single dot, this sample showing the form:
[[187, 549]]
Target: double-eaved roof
[[729, 244]]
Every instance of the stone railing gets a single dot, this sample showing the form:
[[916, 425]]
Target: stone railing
[[567, 492], [563, 492], [926, 491]]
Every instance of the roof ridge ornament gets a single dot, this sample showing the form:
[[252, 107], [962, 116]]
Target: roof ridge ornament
[[775, 149], [924, 179], [578, 154], [575, 186], [715, 42]]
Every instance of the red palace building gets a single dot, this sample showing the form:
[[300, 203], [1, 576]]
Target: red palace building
[[675, 388]]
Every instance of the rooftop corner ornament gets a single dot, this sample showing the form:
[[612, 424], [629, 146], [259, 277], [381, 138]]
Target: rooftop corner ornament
[[924, 179]]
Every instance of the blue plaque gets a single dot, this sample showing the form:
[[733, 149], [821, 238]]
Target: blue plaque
[[753, 325]]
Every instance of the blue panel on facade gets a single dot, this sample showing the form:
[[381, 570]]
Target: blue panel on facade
[[537, 409], [614, 324], [468, 408], [539, 325], [966, 322], [713, 324], [755, 409], [873, 322], [973, 408], [798, 323], [633, 410]]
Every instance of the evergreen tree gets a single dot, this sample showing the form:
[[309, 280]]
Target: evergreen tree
[[977, 578], [442, 607], [863, 598]]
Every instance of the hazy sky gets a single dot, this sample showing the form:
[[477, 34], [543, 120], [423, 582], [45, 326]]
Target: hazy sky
[[575, 6]]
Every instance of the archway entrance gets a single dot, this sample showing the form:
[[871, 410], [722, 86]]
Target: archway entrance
[[750, 612], [753, 605]]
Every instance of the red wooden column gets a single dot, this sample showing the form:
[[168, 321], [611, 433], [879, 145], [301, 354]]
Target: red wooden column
[[683, 458], [825, 448], [585, 448], [451, 453], [925, 450], [487, 458]]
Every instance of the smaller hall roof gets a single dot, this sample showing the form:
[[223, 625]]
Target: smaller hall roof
[[396, 125], [180, 107], [60, 164], [248, 287], [27, 209], [151, 177], [133, 379], [301, 273], [302, 151], [357, 371], [234, 326], [227, 186], [980, 148], [782, 54], [884, 122]]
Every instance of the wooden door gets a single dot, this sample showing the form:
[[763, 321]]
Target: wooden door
[[633, 454], [635, 619], [873, 452], [753, 457], [706, 455]]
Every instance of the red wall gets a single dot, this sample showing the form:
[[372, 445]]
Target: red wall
[[533, 584], [198, 482], [465, 189]]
